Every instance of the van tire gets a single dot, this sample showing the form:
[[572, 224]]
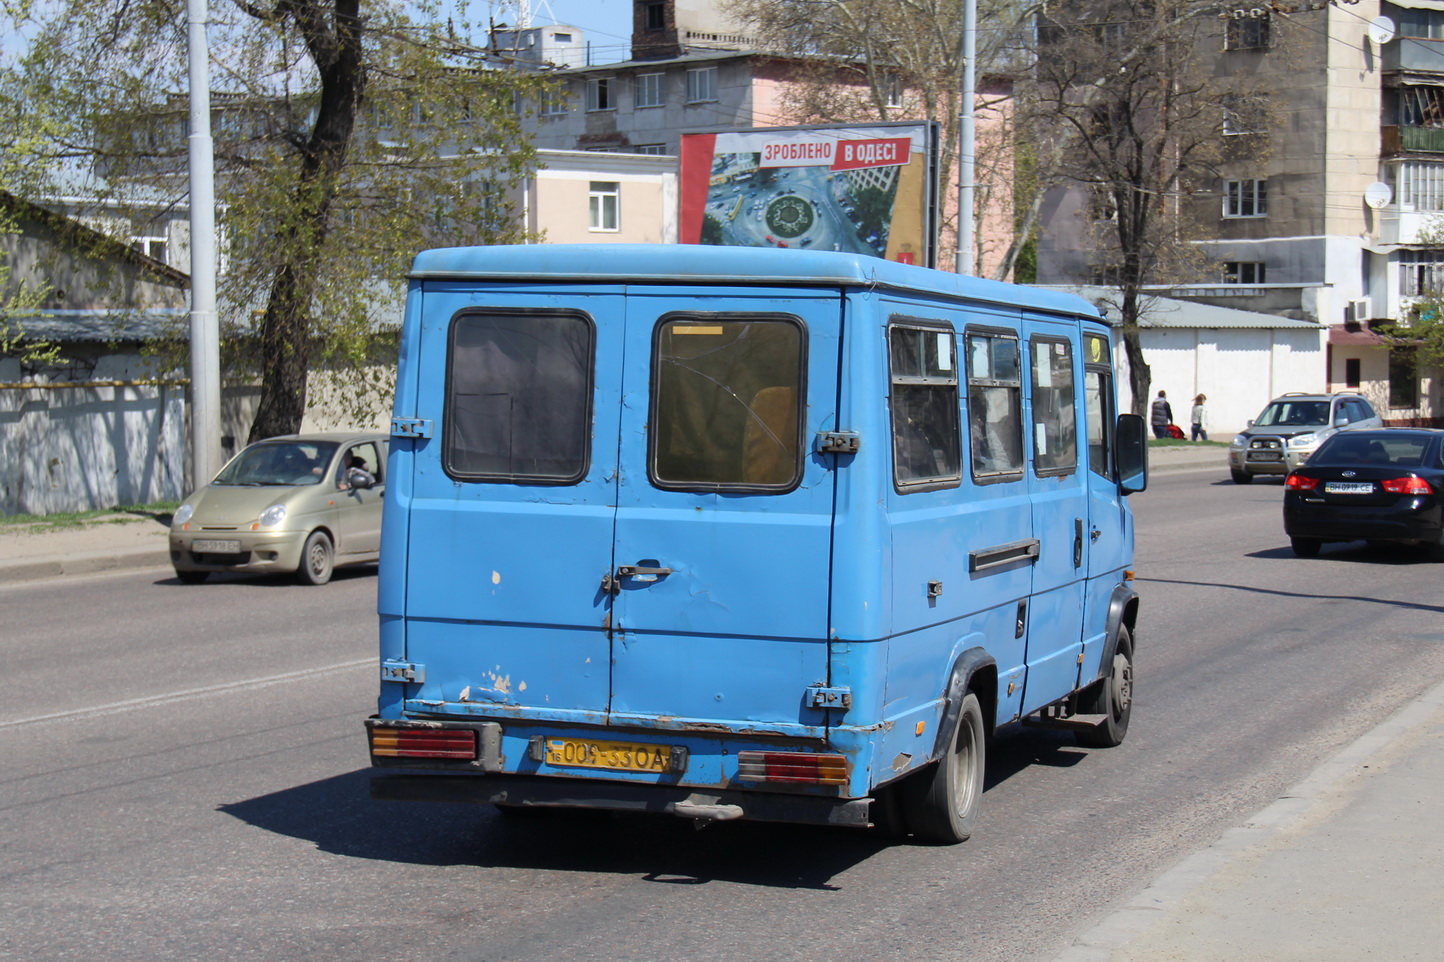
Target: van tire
[[1241, 477], [1111, 697], [941, 805], [318, 560]]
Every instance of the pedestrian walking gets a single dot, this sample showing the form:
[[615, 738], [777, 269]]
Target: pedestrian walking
[[1199, 418], [1160, 416]]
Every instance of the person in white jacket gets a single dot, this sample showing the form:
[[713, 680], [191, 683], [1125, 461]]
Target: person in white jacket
[[1199, 417]]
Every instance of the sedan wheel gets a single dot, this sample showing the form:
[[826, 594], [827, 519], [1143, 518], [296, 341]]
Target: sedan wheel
[[1305, 547]]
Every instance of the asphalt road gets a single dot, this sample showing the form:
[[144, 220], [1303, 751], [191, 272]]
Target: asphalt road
[[185, 778]]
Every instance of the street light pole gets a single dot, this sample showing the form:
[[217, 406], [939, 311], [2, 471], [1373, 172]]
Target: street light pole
[[967, 139], [204, 326]]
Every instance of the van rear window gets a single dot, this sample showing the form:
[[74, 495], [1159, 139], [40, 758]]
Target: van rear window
[[519, 397], [727, 399]]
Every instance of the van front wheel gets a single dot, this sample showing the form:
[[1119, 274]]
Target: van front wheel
[[943, 805], [1112, 698]]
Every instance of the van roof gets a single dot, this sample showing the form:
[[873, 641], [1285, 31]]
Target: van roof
[[712, 265]]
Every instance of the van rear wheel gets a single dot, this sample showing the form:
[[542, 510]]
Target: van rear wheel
[[941, 803]]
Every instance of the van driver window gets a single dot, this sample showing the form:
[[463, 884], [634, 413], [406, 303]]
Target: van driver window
[[995, 421], [728, 395], [1055, 419], [519, 397], [924, 399]]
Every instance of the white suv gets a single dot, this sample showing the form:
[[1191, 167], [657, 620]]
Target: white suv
[[1291, 428]]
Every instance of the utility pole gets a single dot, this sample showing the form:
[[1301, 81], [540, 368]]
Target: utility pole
[[967, 139], [204, 326]]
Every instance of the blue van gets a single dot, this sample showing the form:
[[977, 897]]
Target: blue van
[[745, 533]]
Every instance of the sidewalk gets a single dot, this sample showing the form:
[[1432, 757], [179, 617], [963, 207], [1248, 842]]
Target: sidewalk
[[1188, 456], [1342, 867], [120, 541]]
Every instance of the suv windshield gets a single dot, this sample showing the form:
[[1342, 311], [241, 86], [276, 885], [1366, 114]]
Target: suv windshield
[[1294, 413], [279, 462]]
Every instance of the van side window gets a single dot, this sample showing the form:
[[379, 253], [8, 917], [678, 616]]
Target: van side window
[[995, 415], [926, 446], [1055, 418], [727, 403], [519, 397], [1097, 392]]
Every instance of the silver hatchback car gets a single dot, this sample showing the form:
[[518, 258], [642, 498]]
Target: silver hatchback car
[[301, 503], [1291, 428]]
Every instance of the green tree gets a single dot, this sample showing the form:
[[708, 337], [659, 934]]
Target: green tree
[[349, 134]]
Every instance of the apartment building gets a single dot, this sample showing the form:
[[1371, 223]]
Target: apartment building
[[1329, 219]]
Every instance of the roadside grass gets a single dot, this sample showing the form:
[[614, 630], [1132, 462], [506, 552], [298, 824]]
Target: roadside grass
[[159, 512]]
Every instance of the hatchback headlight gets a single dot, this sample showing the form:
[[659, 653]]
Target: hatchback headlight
[[273, 515], [183, 514]]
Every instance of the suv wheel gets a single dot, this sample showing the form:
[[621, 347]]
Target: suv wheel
[[1241, 477]]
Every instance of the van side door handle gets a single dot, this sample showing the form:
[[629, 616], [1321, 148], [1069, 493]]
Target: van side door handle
[[630, 571], [612, 583]]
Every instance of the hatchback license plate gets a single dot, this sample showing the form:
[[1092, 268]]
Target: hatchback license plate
[[1349, 487], [203, 546], [617, 756]]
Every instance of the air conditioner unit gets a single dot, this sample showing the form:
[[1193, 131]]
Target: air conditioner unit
[[1357, 309]]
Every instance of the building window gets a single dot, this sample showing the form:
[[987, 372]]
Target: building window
[[656, 16], [892, 90], [701, 85], [1244, 272], [1403, 378], [555, 102], [1245, 198], [655, 150], [152, 247], [1423, 24], [1419, 184], [599, 94], [1243, 115], [1421, 272], [1351, 372], [604, 202], [1246, 33], [651, 90]]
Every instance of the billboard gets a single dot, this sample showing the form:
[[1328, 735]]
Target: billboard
[[863, 189]]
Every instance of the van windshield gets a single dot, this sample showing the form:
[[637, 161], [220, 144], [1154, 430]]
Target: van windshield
[[1294, 413], [279, 462]]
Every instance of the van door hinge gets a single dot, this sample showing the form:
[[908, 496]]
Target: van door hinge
[[838, 442], [411, 427], [820, 697], [402, 671]]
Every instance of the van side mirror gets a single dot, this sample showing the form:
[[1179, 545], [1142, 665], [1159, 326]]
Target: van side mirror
[[1132, 454]]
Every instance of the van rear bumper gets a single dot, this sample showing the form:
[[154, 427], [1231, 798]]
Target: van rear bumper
[[710, 805]]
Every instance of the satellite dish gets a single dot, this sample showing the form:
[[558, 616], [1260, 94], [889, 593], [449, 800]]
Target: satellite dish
[[1377, 194], [1381, 30]]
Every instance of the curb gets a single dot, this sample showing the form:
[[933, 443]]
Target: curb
[[1152, 906], [82, 564]]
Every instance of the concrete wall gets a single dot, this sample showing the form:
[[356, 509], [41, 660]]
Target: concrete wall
[[1240, 370]]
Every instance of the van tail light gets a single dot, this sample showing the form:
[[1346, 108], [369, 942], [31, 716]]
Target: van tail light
[[1407, 486], [1297, 482], [455, 743], [795, 767]]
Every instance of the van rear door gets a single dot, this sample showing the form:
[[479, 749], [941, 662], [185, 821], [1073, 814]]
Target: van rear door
[[724, 519]]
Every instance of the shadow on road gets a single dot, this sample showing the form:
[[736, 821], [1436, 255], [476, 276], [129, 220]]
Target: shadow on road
[[338, 816]]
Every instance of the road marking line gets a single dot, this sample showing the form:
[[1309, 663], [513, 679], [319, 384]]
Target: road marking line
[[134, 704]]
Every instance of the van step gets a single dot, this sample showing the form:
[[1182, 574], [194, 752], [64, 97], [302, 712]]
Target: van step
[[1071, 723]]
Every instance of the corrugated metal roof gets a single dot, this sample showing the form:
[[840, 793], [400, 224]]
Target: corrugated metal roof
[[1170, 312]]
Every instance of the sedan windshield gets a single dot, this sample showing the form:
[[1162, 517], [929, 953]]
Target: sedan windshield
[[1295, 413], [279, 462], [1351, 448]]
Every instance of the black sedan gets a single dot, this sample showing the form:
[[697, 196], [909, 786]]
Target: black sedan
[[1384, 485]]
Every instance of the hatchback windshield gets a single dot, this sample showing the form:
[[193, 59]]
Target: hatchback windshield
[[279, 462], [1348, 448], [1300, 413]]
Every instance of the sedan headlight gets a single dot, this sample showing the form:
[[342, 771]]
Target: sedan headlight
[[1303, 440], [273, 515], [183, 514]]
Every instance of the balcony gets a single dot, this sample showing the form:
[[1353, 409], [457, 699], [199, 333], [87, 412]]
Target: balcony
[[1402, 224], [1403, 140], [1414, 54]]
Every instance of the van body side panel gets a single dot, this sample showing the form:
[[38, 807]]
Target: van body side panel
[[505, 606], [1060, 511]]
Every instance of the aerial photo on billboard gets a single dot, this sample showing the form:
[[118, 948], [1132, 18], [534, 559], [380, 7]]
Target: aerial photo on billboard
[[867, 190]]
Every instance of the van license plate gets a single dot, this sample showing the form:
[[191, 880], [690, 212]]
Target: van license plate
[[1348, 487], [215, 547], [616, 756]]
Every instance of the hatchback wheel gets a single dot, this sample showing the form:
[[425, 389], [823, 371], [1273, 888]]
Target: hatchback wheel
[[317, 560]]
